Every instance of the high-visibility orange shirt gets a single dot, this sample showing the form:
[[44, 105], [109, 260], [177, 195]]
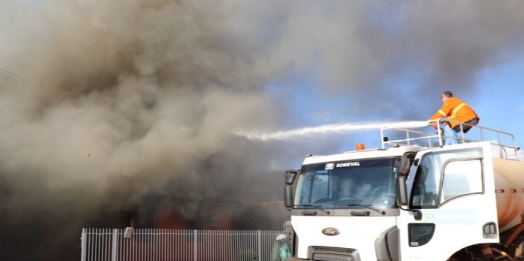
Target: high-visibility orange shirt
[[456, 110]]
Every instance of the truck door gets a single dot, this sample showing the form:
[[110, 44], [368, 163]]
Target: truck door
[[452, 202]]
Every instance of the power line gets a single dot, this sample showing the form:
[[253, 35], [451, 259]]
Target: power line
[[30, 84]]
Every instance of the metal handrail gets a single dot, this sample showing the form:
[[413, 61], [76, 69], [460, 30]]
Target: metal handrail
[[413, 135]]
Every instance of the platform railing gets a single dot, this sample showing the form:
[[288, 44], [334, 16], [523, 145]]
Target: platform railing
[[429, 136]]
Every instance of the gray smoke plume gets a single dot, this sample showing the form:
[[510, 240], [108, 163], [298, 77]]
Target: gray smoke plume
[[129, 97]]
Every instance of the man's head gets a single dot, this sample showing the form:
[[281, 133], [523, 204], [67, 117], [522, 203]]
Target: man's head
[[446, 95]]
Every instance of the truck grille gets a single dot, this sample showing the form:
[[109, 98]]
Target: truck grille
[[337, 250]]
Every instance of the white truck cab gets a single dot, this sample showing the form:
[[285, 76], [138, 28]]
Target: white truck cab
[[412, 199]]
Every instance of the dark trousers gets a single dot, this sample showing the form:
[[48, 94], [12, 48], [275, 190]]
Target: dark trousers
[[467, 125]]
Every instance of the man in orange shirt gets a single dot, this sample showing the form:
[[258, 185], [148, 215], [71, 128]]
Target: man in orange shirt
[[457, 112]]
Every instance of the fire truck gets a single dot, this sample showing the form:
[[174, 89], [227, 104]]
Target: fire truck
[[414, 198]]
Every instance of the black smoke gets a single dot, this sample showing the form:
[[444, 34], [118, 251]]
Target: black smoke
[[127, 96]]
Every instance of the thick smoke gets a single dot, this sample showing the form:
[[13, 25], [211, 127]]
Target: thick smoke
[[128, 96]]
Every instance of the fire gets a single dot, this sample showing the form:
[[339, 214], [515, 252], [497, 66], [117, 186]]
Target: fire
[[270, 202]]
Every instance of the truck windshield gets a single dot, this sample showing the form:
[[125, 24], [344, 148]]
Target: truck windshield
[[347, 184]]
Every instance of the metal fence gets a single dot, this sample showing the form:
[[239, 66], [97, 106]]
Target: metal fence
[[173, 245]]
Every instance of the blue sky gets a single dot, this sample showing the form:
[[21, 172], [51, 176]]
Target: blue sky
[[501, 100]]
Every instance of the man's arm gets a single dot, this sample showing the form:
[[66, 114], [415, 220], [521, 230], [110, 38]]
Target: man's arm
[[444, 111]]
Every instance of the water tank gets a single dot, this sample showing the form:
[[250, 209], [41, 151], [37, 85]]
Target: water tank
[[509, 189]]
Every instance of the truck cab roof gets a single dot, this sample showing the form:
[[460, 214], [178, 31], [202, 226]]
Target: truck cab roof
[[393, 151]]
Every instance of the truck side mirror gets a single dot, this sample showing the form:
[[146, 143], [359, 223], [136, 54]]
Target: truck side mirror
[[288, 190], [401, 190], [403, 165], [288, 196], [290, 177]]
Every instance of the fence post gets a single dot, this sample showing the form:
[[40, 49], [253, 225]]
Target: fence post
[[114, 245], [83, 244], [259, 245], [195, 246]]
